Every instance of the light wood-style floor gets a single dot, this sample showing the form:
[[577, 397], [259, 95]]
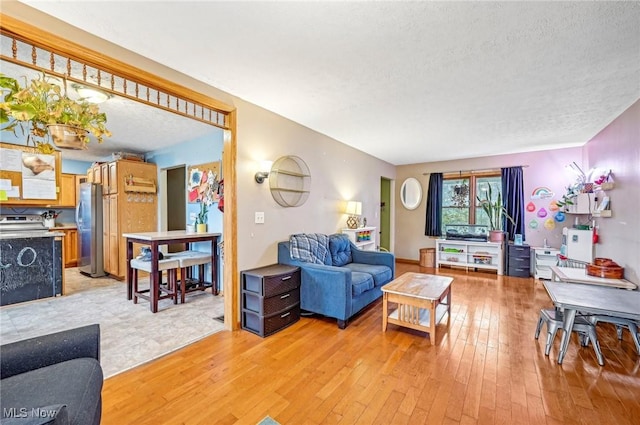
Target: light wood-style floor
[[487, 369]]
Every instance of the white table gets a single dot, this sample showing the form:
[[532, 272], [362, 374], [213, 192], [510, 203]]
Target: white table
[[154, 240], [593, 299], [576, 275]]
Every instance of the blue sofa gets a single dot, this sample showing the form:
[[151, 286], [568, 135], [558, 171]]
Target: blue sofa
[[344, 281]]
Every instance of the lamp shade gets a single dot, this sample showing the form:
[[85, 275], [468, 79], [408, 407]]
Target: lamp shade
[[354, 208]]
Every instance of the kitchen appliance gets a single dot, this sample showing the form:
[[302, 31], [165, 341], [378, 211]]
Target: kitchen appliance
[[89, 223], [25, 225], [577, 244]]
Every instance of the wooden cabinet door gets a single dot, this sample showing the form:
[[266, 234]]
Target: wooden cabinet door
[[104, 178], [70, 247], [114, 237], [113, 177], [67, 190], [106, 220]]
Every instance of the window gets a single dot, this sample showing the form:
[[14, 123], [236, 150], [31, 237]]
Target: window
[[459, 197]]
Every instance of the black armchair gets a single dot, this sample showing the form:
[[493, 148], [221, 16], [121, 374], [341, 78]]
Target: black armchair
[[52, 379]]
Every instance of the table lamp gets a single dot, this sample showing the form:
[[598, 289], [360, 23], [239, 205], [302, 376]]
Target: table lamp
[[354, 209]]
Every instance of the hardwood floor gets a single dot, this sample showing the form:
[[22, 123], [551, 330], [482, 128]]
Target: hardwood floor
[[487, 369]]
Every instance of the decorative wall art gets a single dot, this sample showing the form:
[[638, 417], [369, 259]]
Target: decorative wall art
[[203, 181], [560, 217], [533, 224], [549, 224], [542, 192], [531, 207], [542, 213], [553, 206]]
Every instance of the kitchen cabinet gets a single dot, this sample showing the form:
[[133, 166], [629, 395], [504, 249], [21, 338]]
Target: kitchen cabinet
[[126, 208], [70, 247], [67, 195]]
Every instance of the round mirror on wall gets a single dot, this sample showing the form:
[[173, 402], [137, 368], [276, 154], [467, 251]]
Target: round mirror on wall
[[411, 193]]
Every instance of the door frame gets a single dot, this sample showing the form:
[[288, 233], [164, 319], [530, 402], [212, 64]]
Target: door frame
[[50, 42]]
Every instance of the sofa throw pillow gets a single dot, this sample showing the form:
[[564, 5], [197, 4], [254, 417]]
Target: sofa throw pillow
[[340, 249], [309, 247]]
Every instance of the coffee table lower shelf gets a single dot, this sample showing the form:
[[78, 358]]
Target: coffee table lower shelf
[[417, 318]]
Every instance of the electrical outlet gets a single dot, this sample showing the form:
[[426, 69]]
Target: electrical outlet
[[259, 217]]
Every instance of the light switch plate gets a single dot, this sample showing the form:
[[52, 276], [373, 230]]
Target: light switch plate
[[259, 217]]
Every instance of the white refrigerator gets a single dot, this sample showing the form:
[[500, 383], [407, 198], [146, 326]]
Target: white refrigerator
[[578, 244]]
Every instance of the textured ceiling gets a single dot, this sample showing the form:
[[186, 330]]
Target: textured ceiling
[[407, 82]]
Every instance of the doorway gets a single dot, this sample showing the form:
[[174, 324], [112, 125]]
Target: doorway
[[176, 203], [385, 213]]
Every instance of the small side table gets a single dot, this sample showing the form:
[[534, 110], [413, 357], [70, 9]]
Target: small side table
[[270, 298]]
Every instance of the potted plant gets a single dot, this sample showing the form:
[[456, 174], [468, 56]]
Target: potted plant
[[201, 219], [45, 109], [496, 212]]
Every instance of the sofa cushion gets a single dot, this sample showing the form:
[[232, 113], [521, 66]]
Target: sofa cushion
[[340, 249], [380, 274], [360, 283], [76, 383], [310, 248]]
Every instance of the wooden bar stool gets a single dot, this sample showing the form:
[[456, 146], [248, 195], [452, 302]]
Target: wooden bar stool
[[188, 260], [171, 265]]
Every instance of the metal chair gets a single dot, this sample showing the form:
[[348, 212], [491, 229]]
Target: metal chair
[[587, 331], [620, 324]]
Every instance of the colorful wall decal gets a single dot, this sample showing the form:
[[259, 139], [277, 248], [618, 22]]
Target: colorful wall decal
[[549, 224], [560, 217], [531, 207], [542, 192], [553, 206], [533, 224], [542, 213]]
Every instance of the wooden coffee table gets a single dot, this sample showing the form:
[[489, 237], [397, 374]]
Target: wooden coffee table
[[422, 301]]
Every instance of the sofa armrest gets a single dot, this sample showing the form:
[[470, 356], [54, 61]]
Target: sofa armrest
[[34, 353], [374, 257], [326, 290]]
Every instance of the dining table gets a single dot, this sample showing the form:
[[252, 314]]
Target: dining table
[[579, 275], [590, 299], [154, 240]]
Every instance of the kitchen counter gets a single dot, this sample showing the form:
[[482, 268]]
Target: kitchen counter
[[64, 226], [31, 265]]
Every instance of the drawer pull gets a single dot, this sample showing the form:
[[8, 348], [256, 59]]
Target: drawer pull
[[285, 296], [282, 316], [286, 278]]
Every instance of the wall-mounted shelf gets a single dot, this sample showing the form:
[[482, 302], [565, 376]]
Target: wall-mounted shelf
[[290, 181], [139, 185]]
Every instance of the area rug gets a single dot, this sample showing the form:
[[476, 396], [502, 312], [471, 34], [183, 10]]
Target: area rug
[[268, 421], [130, 334]]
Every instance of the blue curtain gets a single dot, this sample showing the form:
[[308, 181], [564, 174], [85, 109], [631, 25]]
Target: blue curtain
[[433, 226], [513, 200]]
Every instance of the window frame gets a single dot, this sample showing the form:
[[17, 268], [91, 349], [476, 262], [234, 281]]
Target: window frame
[[473, 181]]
